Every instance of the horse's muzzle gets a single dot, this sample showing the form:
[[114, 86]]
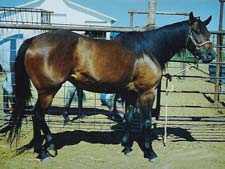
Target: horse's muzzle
[[207, 56]]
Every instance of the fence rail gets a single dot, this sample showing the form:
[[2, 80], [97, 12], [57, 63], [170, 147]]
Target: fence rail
[[69, 27], [73, 27], [108, 29]]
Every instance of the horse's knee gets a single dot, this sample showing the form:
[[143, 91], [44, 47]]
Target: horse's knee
[[148, 124], [129, 117]]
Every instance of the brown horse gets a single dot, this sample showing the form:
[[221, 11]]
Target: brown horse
[[130, 65]]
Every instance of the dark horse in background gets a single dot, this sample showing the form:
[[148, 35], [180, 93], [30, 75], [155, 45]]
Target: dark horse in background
[[130, 65], [113, 101]]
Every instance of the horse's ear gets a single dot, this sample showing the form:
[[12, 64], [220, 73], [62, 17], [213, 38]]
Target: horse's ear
[[192, 19], [206, 22]]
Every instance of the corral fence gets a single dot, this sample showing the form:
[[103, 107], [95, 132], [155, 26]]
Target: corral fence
[[34, 22]]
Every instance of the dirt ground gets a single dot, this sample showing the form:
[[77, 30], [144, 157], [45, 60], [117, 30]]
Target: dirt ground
[[199, 144], [100, 154]]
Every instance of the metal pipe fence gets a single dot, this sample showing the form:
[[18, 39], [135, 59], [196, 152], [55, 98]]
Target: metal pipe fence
[[98, 116]]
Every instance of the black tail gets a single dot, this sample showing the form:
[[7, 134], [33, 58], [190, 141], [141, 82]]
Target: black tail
[[22, 92]]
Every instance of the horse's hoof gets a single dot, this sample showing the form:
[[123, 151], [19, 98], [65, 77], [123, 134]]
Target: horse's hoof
[[153, 158], [66, 122], [43, 155], [127, 151], [117, 117], [7, 117], [83, 116], [52, 151]]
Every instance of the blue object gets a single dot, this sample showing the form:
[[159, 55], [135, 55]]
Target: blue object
[[212, 73], [106, 99]]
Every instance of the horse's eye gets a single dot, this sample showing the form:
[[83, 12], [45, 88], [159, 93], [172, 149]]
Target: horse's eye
[[209, 34], [197, 31]]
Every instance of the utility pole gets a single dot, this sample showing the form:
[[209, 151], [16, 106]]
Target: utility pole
[[151, 14], [132, 19]]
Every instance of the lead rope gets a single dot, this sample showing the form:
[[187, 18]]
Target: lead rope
[[170, 88]]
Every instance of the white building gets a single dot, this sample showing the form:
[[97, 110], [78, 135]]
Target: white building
[[61, 12]]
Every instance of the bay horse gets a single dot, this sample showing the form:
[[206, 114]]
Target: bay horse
[[130, 65]]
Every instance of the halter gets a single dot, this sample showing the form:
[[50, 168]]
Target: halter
[[190, 35], [197, 45]]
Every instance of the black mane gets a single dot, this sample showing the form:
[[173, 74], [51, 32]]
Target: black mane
[[161, 43]]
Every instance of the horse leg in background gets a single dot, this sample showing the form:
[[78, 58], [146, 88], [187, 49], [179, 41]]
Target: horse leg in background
[[146, 103], [7, 96], [80, 95], [5, 99], [107, 100], [49, 149], [70, 93], [118, 113], [129, 113], [116, 96]]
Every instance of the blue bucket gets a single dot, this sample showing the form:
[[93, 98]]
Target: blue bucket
[[212, 73]]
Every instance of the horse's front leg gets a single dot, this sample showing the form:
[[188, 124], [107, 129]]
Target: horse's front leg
[[146, 103], [126, 139]]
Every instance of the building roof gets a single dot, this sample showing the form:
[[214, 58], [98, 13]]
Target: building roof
[[72, 5]]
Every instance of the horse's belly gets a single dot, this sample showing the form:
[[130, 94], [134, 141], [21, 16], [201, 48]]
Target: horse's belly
[[96, 85]]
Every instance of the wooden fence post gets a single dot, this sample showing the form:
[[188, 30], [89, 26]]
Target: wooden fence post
[[219, 54]]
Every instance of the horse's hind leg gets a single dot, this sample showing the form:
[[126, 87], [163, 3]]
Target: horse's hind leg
[[146, 103], [37, 140], [44, 101]]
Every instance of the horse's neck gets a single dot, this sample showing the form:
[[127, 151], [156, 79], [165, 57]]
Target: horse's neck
[[168, 41]]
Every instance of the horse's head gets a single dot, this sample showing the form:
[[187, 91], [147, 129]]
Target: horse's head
[[198, 42]]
